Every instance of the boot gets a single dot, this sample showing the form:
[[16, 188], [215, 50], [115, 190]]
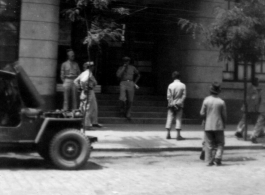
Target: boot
[[122, 108], [168, 134], [178, 135], [128, 111]]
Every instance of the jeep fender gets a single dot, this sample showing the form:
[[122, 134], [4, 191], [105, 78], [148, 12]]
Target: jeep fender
[[53, 125]]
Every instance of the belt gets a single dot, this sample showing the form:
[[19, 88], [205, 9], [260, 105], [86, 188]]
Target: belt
[[70, 77], [128, 80]]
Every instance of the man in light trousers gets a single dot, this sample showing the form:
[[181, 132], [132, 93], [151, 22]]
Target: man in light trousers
[[126, 74], [88, 102], [176, 94], [260, 124]]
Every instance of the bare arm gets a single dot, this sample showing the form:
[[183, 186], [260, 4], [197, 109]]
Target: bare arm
[[137, 78], [77, 80], [138, 75]]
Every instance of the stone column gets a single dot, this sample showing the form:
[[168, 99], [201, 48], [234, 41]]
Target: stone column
[[39, 30]]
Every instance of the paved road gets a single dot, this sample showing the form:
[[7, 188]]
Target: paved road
[[162, 173]]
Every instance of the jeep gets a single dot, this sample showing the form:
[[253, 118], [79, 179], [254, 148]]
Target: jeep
[[57, 136]]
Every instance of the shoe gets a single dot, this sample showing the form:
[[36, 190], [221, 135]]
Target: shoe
[[168, 137], [97, 125], [128, 116], [254, 140], [88, 128], [238, 135], [179, 138], [217, 162], [202, 156], [210, 164]]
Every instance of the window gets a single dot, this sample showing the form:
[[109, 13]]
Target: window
[[234, 71]]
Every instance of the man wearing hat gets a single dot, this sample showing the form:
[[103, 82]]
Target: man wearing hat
[[88, 102], [214, 111], [176, 94], [126, 75], [69, 72]]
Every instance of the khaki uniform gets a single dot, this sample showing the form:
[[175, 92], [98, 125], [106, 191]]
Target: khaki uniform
[[127, 86], [69, 72]]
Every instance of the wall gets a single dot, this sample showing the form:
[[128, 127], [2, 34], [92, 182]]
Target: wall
[[39, 44], [9, 22]]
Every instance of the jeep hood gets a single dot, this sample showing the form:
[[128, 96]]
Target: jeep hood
[[28, 92]]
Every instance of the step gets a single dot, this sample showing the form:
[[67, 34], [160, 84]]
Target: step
[[136, 97], [116, 90], [135, 114], [117, 120], [134, 108], [135, 103]]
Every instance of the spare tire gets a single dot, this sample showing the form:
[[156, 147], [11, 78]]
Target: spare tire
[[69, 149]]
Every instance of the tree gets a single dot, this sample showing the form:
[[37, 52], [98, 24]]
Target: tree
[[98, 16], [238, 33]]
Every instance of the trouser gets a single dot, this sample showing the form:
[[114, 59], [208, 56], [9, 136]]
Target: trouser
[[252, 116], [70, 94], [214, 145], [174, 114], [258, 128], [91, 110], [127, 94]]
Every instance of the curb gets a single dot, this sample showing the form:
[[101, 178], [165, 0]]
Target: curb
[[258, 147]]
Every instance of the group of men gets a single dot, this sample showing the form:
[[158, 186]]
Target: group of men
[[214, 115], [255, 111], [213, 111], [73, 80], [213, 108]]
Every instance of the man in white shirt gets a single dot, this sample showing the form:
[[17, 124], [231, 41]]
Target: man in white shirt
[[88, 101], [176, 94]]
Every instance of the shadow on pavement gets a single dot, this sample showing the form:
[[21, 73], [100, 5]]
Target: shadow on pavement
[[19, 163], [92, 166], [31, 162], [239, 159]]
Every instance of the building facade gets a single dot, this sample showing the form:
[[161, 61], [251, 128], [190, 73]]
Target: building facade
[[37, 35]]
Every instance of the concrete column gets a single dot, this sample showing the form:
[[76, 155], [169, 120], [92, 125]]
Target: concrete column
[[39, 34]]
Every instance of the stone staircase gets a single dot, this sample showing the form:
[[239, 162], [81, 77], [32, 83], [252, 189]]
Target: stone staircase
[[147, 109]]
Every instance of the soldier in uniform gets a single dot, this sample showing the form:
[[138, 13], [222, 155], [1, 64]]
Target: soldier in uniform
[[69, 72], [126, 74]]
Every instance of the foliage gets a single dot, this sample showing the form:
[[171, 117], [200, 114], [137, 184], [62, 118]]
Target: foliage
[[99, 18], [238, 32]]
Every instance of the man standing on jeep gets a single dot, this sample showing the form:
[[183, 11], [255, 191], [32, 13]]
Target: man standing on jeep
[[69, 72]]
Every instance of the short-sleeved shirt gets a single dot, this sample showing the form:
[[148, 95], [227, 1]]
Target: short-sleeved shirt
[[128, 73], [69, 70]]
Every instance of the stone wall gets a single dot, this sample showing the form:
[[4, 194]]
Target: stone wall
[[39, 44]]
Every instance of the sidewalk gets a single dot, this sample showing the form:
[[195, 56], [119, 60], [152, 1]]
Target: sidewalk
[[132, 137]]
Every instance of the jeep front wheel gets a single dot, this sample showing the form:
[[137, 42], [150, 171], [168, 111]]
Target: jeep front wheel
[[69, 149]]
